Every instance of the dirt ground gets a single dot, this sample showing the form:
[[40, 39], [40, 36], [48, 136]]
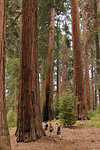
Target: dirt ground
[[75, 138]]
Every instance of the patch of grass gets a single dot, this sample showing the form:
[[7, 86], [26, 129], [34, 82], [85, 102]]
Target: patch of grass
[[94, 119], [92, 124]]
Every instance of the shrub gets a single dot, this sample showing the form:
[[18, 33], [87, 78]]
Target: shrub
[[94, 114], [66, 108]]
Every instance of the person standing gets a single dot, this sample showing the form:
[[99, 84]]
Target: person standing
[[50, 130], [59, 131]]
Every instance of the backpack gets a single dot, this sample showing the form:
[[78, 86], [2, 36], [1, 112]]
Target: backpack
[[46, 125], [58, 129], [51, 128]]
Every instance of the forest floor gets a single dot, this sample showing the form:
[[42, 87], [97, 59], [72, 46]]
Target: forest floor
[[75, 138]]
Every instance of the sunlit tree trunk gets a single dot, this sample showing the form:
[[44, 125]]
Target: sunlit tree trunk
[[4, 132], [48, 107], [29, 123], [87, 80], [80, 108]]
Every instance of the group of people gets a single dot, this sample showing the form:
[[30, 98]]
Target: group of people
[[50, 128]]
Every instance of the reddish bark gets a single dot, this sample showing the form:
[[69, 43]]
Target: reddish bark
[[87, 80], [92, 88], [80, 109], [4, 132], [29, 119], [64, 67], [48, 101]]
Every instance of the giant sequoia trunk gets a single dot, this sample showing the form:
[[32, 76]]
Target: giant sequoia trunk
[[48, 101], [4, 132], [87, 81], [29, 122], [77, 61]]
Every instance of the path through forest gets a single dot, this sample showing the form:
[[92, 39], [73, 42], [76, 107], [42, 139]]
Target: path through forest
[[76, 138]]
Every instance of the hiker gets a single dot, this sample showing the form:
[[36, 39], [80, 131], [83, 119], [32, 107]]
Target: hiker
[[59, 131], [50, 130], [45, 127]]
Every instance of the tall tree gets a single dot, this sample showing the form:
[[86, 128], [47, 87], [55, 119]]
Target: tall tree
[[77, 61], [30, 122], [4, 132], [58, 68], [48, 101], [87, 81]]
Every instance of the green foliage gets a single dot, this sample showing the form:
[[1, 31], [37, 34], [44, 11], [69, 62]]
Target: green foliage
[[55, 106], [66, 108], [12, 119], [94, 115], [12, 50], [45, 69]]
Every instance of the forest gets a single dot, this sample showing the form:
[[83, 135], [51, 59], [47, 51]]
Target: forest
[[49, 73]]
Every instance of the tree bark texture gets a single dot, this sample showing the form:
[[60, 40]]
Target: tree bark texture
[[4, 132], [87, 80], [92, 86], [80, 108], [58, 68], [30, 121], [64, 67], [48, 101], [43, 85]]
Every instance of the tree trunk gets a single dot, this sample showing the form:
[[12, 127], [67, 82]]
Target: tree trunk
[[4, 132], [92, 87], [15, 103], [43, 87], [30, 121], [80, 108], [48, 107], [64, 67], [58, 69], [2, 145], [87, 80], [95, 96], [97, 48], [58, 79]]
